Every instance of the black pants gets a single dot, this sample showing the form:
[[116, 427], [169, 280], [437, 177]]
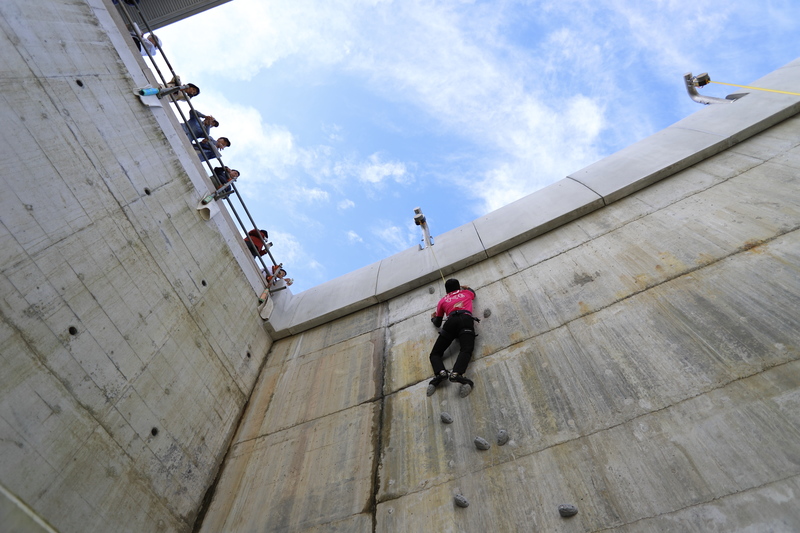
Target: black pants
[[461, 327]]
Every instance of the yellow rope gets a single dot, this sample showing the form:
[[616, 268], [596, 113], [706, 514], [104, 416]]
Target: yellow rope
[[755, 88], [437, 262]]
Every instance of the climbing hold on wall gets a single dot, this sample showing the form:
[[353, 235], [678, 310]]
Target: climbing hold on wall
[[502, 437], [566, 510], [431, 389], [487, 313], [431, 290], [461, 501], [447, 418], [464, 390], [482, 444]]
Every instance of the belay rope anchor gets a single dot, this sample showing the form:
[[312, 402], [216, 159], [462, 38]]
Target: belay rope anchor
[[419, 220], [701, 80]]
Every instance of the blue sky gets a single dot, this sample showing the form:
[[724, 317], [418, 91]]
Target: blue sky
[[346, 115]]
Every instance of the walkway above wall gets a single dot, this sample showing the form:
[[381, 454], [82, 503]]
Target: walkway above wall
[[709, 131]]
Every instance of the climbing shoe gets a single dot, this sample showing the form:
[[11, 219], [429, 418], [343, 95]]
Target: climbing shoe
[[466, 384], [435, 382]]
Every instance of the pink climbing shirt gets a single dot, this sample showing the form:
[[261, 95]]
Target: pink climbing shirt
[[460, 300]]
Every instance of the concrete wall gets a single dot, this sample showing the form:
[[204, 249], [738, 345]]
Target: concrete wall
[[130, 338], [643, 358]]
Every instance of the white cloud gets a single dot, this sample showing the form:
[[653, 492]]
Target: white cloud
[[393, 238], [267, 155], [314, 195], [255, 144], [345, 204], [334, 132], [453, 60], [524, 92], [445, 58], [353, 237], [376, 171], [287, 247], [268, 31]]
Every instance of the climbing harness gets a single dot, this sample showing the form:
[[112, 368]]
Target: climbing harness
[[464, 312]]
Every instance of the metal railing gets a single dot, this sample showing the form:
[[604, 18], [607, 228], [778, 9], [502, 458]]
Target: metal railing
[[223, 190]]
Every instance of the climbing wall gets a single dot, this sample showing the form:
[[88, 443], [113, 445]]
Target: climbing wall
[[641, 361]]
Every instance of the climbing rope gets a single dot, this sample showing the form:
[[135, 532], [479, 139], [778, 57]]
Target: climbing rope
[[754, 88], [437, 262]]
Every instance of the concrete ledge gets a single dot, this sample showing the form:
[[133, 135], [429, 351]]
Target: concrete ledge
[[455, 250], [705, 133], [535, 214], [452, 251], [285, 305], [781, 79], [710, 131], [648, 161], [320, 304]]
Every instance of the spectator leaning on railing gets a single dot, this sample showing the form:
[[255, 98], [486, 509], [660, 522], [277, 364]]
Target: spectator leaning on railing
[[256, 242], [199, 125], [209, 147], [197, 128], [147, 47]]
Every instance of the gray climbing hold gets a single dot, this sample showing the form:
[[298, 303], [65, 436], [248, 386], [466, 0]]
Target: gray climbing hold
[[566, 510], [482, 444], [431, 290], [464, 390], [431, 389], [461, 501], [487, 313], [447, 418], [502, 437]]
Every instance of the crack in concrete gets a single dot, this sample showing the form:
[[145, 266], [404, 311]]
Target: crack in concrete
[[696, 505], [596, 432]]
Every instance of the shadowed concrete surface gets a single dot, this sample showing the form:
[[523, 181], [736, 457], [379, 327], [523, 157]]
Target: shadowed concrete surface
[[130, 340], [638, 343]]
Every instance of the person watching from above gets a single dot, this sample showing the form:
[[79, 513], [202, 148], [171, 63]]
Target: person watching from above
[[278, 277], [210, 147], [179, 91], [199, 125], [222, 176], [256, 242], [147, 47]]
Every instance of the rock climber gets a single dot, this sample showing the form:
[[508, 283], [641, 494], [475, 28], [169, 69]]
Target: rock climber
[[456, 306]]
